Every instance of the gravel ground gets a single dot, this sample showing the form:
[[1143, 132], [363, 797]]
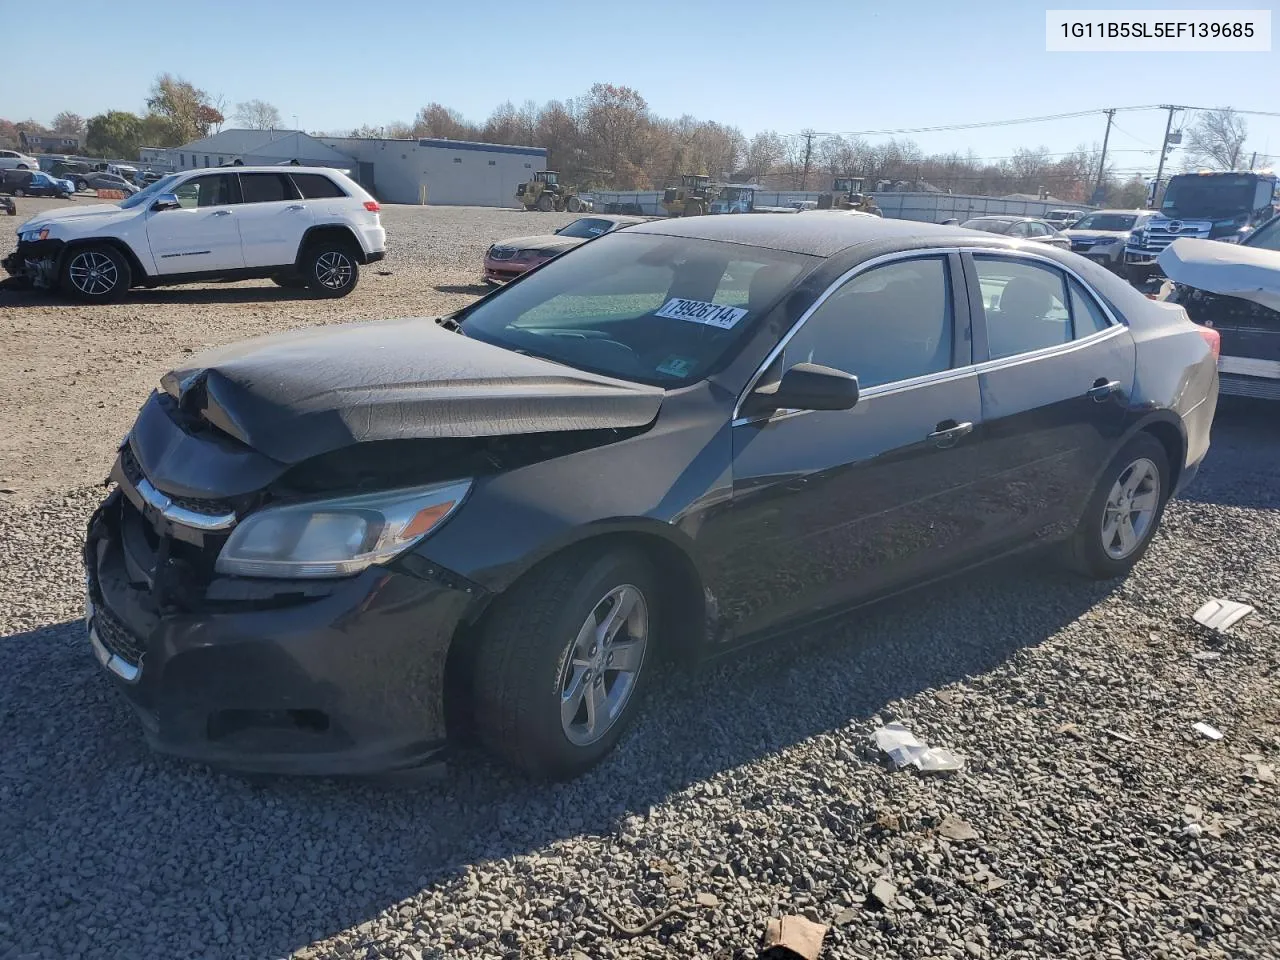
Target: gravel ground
[[1102, 824]]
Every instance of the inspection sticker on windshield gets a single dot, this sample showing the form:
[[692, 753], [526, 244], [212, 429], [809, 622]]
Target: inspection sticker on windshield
[[712, 314], [676, 366]]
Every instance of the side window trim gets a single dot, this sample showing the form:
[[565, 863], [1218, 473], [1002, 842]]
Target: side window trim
[[981, 349], [1075, 285], [950, 257]]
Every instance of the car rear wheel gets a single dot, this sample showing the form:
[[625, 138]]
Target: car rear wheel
[[1124, 512], [331, 269], [97, 274], [562, 661], [19, 192]]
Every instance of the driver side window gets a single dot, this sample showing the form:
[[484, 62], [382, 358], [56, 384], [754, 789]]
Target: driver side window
[[889, 324]]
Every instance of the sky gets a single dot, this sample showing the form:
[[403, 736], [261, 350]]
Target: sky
[[828, 66]]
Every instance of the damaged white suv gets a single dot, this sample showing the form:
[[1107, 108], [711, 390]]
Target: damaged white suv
[[302, 227]]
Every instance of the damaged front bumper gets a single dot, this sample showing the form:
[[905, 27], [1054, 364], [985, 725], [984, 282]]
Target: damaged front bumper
[[338, 677], [35, 262]]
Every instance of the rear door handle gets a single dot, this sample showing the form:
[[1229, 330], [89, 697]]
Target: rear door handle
[[1102, 389], [222, 213], [295, 206], [948, 433]]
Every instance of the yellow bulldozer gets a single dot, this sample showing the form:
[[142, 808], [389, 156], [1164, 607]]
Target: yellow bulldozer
[[692, 198], [846, 194], [545, 192]]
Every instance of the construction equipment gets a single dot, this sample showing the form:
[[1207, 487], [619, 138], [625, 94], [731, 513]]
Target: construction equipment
[[842, 195], [545, 192], [741, 198], [692, 198]]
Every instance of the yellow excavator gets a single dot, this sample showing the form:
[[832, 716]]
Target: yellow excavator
[[846, 194], [545, 192], [692, 198]]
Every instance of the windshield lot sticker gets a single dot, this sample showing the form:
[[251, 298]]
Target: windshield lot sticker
[[676, 366], [711, 314]]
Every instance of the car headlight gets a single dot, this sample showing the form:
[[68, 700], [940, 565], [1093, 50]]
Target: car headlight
[[338, 537], [1230, 238], [1137, 237], [32, 236], [1107, 241]]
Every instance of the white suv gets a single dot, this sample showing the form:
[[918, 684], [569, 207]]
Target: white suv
[[13, 160], [306, 227]]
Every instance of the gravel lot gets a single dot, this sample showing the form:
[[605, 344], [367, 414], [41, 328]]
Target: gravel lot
[[1105, 826]]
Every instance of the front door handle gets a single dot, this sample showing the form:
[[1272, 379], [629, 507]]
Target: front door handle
[[295, 206], [222, 213], [1103, 388], [948, 433]]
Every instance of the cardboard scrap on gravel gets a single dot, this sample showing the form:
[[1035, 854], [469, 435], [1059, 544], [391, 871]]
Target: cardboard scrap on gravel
[[1221, 615], [953, 828], [792, 936]]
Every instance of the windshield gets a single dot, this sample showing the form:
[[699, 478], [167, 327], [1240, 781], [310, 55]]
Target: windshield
[[146, 193], [990, 226], [654, 309], [1107, 221], [1267, 236], [1208, 197], [586, 228]]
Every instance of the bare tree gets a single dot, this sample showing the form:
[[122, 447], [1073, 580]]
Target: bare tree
[[1217, 139], [69, 123], [257, 115]]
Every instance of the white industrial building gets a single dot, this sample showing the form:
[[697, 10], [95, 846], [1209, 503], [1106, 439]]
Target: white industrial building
[[441, 172]]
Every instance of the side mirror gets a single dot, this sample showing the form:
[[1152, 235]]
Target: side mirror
[[166, 201], [806, 386]]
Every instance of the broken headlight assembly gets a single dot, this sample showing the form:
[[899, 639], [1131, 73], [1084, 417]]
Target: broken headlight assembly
[[34, 236], [338, 537]]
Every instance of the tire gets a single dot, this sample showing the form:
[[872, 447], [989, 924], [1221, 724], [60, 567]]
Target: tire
[[19, 192], [96, 274], [525, 672], [1094, 553], [23, 166], [693, 209], [82, 186], [573, 205], [330, 269], [546, 203], [289, 281]]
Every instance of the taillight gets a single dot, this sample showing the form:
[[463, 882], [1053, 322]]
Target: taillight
[[1213, 338], [372, 206]]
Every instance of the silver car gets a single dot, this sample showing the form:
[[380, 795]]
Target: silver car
[[1020, 228]]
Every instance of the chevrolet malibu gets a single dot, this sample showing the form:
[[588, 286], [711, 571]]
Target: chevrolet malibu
[[343, 550]]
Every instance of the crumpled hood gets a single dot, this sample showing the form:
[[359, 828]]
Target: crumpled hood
[[297, 395], [548, 242], [70, 214], [1228, 269]]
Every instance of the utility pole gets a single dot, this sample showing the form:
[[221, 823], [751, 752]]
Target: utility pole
[[808, 156], [1164, 149], [1102, 164], [1253, 159]]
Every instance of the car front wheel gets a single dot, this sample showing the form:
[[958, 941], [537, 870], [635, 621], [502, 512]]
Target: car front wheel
[[1124, 512], [331, 270], [97, 274], [562, 661]]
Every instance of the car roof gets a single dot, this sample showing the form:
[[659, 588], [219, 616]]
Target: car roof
[[273, 168], [820, 233]]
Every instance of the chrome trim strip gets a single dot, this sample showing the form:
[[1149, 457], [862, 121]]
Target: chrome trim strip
[[999, 252], [1058, 348], [176, 514], [122, 668]]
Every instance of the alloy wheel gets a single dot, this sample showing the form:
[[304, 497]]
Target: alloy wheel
[[604, 664], [333, 270], [1130, 509], [93, 274]]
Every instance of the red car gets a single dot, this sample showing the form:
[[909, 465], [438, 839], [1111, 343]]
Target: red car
[[507, 259]]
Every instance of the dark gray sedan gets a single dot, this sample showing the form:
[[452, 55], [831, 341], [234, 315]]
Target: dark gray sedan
[[508, 259], [1020, 228], [343, 549]]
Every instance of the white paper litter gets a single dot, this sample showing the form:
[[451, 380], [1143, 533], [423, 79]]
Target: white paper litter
[[903, 749], [1221, 615], [1202, 728]]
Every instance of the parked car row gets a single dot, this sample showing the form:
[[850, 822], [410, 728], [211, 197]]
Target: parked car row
[[28, 182]]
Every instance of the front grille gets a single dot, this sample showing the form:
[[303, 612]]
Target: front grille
[[134, 474], [1159, 237], [502, 253], [117, 638]]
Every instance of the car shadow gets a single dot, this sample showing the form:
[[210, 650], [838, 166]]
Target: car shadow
[[1239, 470], [264, 293], [349, 850], [476, 289]]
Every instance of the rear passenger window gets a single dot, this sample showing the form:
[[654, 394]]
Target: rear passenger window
[[1086, 316], [1025, 306], [316, 186], [267, 187], [891, 323]]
